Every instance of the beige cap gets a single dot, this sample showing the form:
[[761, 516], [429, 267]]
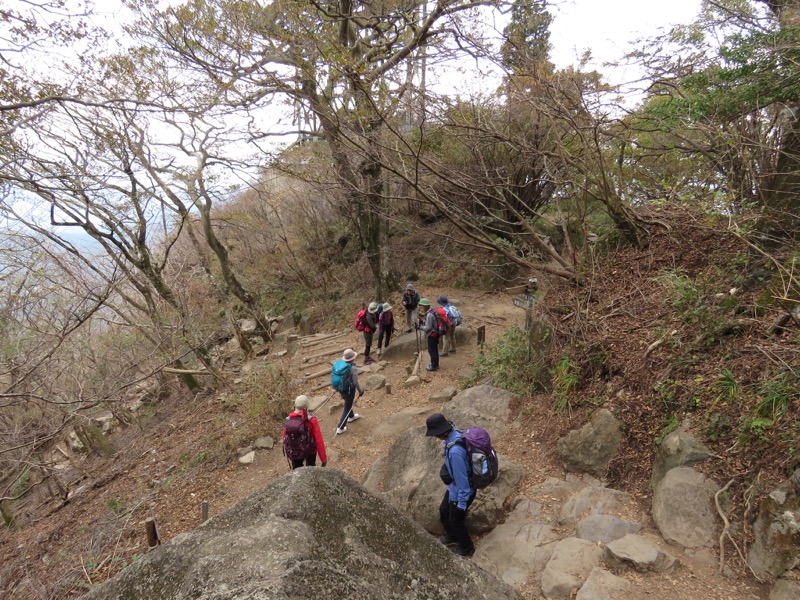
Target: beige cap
[[302, 402], [349, 355]]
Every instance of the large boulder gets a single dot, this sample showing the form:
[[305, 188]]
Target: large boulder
[[404, 346], [313, 533], [683, 508], [678, 449], [483, 406], [591, 448], [776, 532]]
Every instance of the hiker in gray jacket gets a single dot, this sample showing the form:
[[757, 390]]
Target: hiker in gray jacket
[[431, 330]]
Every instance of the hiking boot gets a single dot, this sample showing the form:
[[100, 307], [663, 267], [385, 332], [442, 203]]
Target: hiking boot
[[441, 354], [431, 368], [462, 552], [446, 540], [368, 361], [453, 351], [341, 429], [355, 417], [408, 331]]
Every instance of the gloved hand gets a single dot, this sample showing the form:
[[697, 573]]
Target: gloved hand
[[459, 514], [324, 462]]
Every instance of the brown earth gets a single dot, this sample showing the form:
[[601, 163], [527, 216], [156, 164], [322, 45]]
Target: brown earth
[[184, 452]]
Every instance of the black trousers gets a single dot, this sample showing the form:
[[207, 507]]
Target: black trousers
[[347, 412], [433, 350], [308, 461], [454, 521]]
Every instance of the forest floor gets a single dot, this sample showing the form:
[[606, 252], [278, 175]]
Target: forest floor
[[185, 451]]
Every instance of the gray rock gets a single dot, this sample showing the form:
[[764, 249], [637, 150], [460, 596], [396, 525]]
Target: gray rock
[[602, 585], [604, 528], [483, 406], [397, 423], [569, 567], [683, 508], [412, 381], [594, 500], [785, 589], [244, 451], [247, 459], [776, 532], [678, 449], [443, 396], [517, 551], [591, 448], [374, 382], [487, 511], [264, 443], [300, 537], [640, 554]]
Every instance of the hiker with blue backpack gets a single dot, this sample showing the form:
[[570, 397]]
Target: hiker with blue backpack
[[302, 436], [448, 341], [344, 379], [459, 493]]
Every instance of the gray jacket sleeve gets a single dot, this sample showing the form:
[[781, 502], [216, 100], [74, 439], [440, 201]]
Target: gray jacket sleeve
[[354, 379], [430, 323]]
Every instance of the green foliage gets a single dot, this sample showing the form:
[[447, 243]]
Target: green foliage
[[565, 382], [726, 388], [667, 392], [686, 295], [718, 425], [115, 505], [777, 395], [670, 425], [507, 365]]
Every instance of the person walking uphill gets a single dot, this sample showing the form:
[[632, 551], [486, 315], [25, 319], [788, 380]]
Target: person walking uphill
[[459, 494], [410, 301], [385, 327], [370, 327], [431, 330], [344, 379], [302, 436], [448, 341]]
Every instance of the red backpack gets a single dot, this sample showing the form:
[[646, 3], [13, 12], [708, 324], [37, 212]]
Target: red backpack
[[442, 322], [361, 320]]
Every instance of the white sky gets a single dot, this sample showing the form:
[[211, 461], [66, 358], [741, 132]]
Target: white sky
[[607, 26]]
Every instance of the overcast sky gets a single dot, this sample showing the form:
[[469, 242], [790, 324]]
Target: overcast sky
[[606, 26]]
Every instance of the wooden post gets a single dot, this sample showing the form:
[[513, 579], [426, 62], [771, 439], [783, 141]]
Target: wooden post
[[204, 511], [153, 540], [481, 335], [388, 389]]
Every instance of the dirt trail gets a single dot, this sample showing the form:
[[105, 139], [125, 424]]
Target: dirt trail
[[530, 438]]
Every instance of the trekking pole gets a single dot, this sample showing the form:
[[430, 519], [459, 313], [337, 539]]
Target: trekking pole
[[324, 402]]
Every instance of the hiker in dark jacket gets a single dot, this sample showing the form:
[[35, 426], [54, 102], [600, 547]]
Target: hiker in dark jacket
[[301, 406], [459, 494], [349, 395], [371, 322], [385, 327], [410, 301], [431, 330]]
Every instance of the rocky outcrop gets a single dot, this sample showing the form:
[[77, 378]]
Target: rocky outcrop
[[678, 449], [313, 533], [776, 531], [683, 508], [591, 448]]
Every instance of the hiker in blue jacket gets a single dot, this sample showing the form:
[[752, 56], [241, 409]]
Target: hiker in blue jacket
[[349, 393], [460, 494]]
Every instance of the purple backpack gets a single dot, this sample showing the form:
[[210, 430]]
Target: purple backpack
[[298, 443], [483, 462]]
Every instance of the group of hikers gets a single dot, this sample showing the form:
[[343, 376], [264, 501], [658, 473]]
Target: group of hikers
[[302, 437], [438, 325], [303, 441]]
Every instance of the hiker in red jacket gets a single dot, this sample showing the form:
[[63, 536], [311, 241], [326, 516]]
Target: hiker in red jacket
[[304, 441]]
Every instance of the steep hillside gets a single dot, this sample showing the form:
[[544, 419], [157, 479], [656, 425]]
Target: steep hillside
[[680, 332]]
